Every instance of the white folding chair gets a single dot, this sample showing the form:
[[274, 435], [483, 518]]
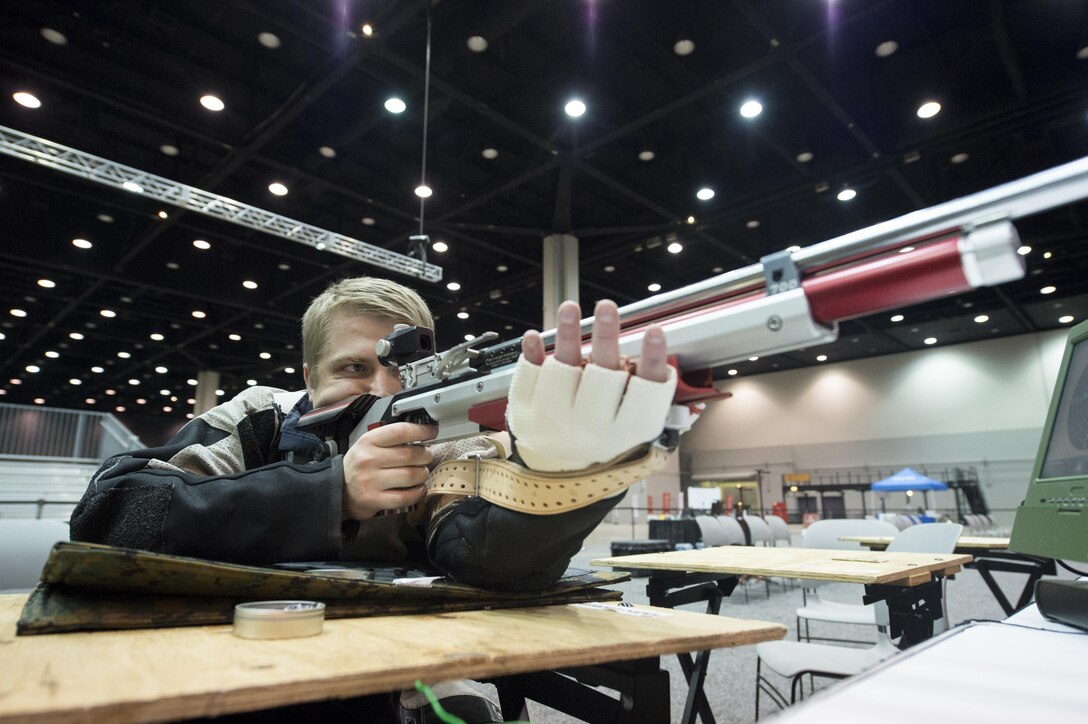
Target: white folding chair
[[826, 534], [713, 533], [759, 529], [794, 659], [779, 530], [733, 532]]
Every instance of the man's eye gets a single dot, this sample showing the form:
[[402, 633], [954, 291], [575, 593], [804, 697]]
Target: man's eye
[[355, 368]]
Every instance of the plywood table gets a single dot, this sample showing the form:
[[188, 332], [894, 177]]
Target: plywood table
[[160, 674], [965, 544], [868, 567], [989, 554], [901, 579]]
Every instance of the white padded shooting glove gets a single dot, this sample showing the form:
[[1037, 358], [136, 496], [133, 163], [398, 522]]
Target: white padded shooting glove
[[569, 418]]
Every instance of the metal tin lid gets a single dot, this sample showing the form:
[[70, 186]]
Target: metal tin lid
[[278, 619]]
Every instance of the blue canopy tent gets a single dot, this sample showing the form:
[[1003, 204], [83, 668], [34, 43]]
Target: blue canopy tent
[[907, 479]]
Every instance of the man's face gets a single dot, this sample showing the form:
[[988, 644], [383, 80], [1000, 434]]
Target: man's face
[[350, 366]]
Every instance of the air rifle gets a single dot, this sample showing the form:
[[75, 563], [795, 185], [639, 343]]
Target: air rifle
[[790, 300]]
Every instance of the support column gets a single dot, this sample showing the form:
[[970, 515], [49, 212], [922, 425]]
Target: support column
[[560, 273], [207, 382]]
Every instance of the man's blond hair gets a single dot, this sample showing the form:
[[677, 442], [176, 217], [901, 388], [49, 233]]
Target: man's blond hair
[[358, 296]]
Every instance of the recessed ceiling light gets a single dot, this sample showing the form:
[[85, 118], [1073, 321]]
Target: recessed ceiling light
[[846, 194], [704, 194], [157, 336], [489, 153], [199, 314], [1066, 319], [462, 315], [75, 335], [424, 191], [169, 150], [395, 105], [804, 157], [33, 369], [105, 218], [718, 270], [283, 266], [55, 37], [367, 221], [733, 373], [655, 287], [753, 224], [51, 354], [234, 337], [107, 313], [440, 246], [929, 109], [47, 283], [897, 318], [753, 359], [929, 340], [124, 355], [691, 219], [982, 319], [277, 188], [249, 284], [27, 100], [960, 158], [684, 46], [1082, 52], [453, 286], [675, 247], [268, 40], [289, 370], [477, 43], [610, 268], [173, 265], [575, 108], [133, 187], [265, 355], [1024, 250], [212, 103], [202, 244], [1047, 255], [906, 250], [1048, 290], [39, 400], [645, 155], [751, 108], [327, 151], [888, 47], [821, 358], [161, 370], [367, 29]]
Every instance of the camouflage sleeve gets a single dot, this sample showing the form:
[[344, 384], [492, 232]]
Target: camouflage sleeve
[[217, 491]]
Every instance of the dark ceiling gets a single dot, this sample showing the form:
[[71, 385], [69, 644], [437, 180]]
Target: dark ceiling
[[1012, 79]]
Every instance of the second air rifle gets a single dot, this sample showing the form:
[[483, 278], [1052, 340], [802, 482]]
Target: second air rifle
[[790, 300]]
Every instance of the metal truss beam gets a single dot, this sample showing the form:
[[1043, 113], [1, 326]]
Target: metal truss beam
[[94, 168]]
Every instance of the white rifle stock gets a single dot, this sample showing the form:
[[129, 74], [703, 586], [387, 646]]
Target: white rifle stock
[[788, 301]]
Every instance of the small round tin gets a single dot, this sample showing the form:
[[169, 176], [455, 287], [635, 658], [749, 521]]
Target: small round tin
[[278, 619]]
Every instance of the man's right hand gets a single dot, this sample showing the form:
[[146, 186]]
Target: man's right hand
[[383, 470]]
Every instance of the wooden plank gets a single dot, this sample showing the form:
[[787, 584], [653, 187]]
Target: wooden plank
[[160, 674], [965, 542], [831, 565]]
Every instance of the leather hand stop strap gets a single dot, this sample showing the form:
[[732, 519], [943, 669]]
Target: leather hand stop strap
[[512, 486]]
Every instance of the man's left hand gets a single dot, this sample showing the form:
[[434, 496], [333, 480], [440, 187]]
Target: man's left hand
[[564, 417]]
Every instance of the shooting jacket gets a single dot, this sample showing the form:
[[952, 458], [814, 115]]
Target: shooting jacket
[[240, 483]]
